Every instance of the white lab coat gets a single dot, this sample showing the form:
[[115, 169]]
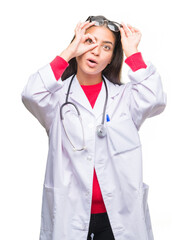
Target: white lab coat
[[117, 158]]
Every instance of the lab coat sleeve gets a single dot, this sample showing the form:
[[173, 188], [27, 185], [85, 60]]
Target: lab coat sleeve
[[147, 98], [40, 95]]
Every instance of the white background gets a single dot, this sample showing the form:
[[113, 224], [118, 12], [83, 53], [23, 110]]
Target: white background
[[32, 34]]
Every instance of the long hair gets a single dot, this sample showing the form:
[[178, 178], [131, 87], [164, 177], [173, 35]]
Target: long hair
[[112, 71]]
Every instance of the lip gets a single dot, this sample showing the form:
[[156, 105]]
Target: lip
[[91, 62]]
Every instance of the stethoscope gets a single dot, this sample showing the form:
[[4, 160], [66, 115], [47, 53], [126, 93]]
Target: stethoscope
[[100, 129]]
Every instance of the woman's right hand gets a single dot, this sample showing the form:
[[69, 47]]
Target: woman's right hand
[[78, 46]]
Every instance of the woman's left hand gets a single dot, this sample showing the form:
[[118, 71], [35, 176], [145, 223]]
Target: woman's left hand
[[130, 39]]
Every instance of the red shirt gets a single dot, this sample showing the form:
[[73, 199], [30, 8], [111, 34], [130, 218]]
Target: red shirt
[[58, 66]]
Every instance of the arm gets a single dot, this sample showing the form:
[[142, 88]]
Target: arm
[[147, 98], [40, 95]]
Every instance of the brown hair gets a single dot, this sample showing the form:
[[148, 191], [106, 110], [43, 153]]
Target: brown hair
[[112, 71]]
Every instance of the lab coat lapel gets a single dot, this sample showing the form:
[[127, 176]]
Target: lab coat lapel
[[113, 91], [99, 104], [78, 96]]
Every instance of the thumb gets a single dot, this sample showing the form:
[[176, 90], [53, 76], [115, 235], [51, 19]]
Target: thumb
[[91, 47]]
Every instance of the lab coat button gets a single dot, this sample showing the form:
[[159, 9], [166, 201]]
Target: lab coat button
[[109, 194], [89, 158]]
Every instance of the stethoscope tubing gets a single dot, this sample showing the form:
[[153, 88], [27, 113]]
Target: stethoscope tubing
[[101, 130], [105, 103]]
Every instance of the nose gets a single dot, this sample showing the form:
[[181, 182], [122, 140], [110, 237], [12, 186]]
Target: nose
[[96, 51]]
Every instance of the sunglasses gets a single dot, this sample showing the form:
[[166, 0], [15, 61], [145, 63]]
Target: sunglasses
[[100, 21]]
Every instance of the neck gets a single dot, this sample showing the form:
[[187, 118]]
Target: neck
[[88, 79]]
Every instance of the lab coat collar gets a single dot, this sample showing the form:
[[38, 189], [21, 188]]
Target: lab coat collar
[[78, 96]]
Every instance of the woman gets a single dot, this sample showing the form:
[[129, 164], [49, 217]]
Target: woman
[[93, 185]]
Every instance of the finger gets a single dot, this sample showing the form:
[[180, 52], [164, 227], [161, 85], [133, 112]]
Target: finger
[[91, 47], [89, 36], [78, 25], [136, 30], [84, 24], [126, 30], [131, 28], [90, 24], [81, 27], [122, 32]]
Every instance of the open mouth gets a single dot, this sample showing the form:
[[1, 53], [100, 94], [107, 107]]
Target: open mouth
[[91, 62]]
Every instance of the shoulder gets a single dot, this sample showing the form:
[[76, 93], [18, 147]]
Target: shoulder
[[117, 87], [116, 90]]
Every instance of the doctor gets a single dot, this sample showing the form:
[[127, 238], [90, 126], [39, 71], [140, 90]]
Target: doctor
[[93, 185]]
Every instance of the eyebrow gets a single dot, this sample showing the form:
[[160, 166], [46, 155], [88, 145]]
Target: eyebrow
[[108, 42], [105, 41]]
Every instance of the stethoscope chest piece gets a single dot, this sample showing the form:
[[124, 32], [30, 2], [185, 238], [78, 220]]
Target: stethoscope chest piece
[[101, 130]]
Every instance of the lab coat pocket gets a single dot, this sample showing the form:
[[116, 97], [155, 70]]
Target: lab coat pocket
[[48, 209], [145, 211], [122, 135]]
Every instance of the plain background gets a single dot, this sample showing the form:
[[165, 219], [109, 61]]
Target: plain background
[[32, 34]]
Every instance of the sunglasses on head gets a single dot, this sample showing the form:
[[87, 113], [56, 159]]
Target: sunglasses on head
[[100, 21]]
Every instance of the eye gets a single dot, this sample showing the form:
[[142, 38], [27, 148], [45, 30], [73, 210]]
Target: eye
[[89, 41], [106, 47]]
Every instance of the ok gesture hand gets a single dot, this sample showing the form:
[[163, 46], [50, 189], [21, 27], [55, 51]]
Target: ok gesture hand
[[78, 46], [130, 39]]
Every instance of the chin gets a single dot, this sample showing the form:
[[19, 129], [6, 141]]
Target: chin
[[93, 71]]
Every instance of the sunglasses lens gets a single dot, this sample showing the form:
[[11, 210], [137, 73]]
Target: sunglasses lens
[[113, 27], [100, 22]]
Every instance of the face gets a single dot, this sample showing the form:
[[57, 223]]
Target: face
[[95, 61]]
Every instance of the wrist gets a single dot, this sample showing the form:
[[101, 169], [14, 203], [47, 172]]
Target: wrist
[[58, 66], [135, 62], [66, 55], [130, 52]]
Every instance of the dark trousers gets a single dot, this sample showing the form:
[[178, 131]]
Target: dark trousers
[[99, 227]]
